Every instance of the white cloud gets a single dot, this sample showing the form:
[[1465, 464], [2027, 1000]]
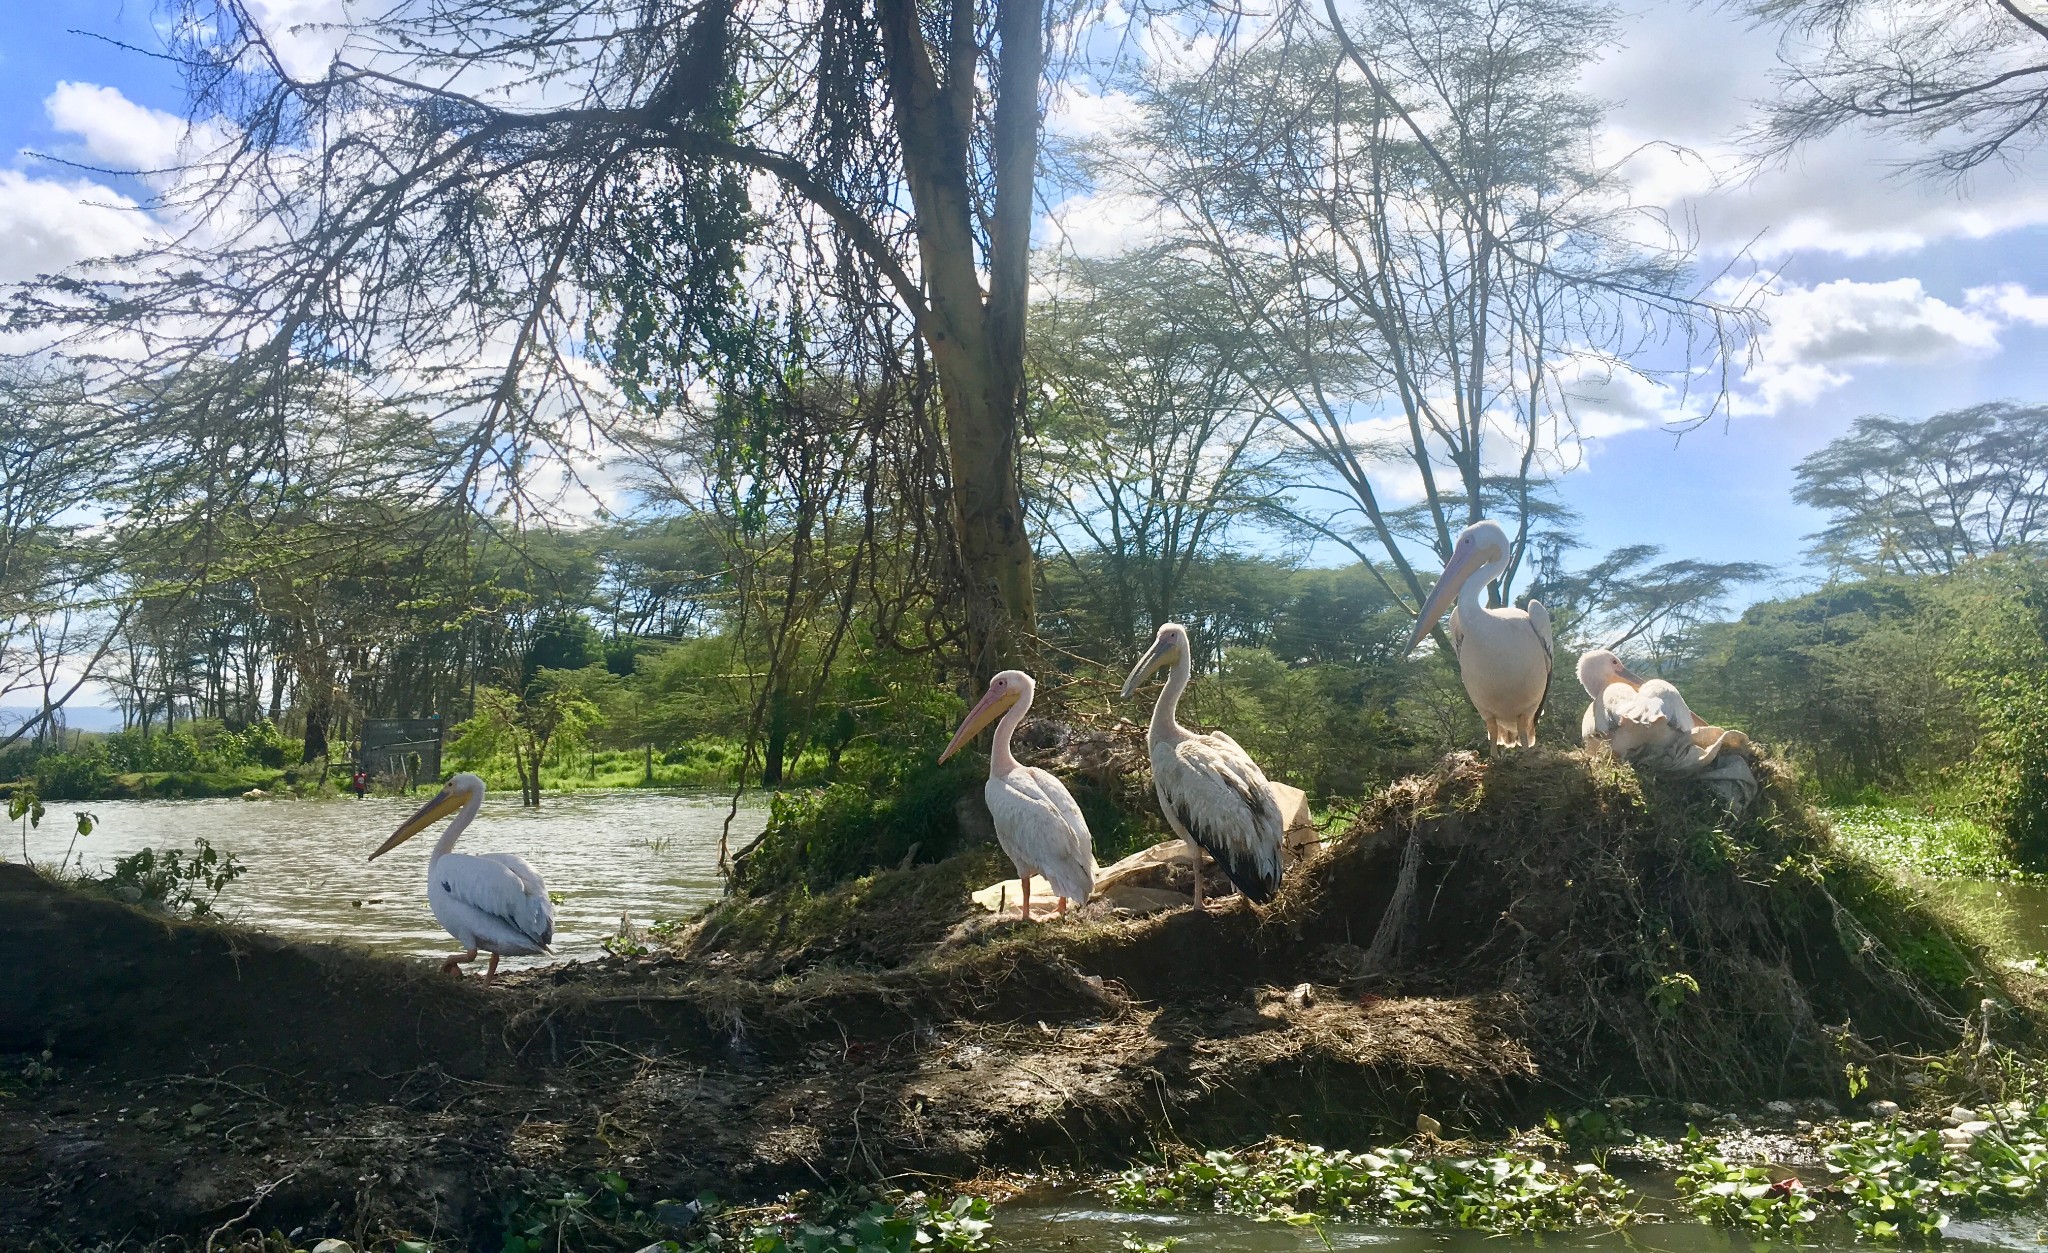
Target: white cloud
[[1606, 400], [1103, 223], [2010, 302], [1688, 75], [1818, 335], [1079, 113], [48, 224], [115, 130]]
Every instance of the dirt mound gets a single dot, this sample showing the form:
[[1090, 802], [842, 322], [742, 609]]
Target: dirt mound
[[1483, 941]]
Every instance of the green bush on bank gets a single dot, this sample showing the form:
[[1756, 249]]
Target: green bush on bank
[[897, 811], [202, 758]]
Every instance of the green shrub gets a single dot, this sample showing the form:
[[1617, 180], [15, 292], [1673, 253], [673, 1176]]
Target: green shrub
[[81, 775], [172, 879], [901, 810]]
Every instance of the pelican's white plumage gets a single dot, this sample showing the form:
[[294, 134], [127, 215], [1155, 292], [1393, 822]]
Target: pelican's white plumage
[[490, 902], [1213, 794], [1635, 713], [1037, 822], [1503, 654]]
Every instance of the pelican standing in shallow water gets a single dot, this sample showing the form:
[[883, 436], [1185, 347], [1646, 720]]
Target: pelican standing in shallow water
[[1037, 822], [490, 902], [1503, 654], [1213, 794]]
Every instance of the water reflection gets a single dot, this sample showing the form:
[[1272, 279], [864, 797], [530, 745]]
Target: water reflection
[[649, 854]]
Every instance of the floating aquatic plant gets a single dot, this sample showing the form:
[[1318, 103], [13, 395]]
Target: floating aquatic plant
[[1740, 1195], [1301, 1182]]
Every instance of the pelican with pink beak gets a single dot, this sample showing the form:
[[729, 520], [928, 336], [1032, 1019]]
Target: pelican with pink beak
[[1037, 822], [1503, 654]]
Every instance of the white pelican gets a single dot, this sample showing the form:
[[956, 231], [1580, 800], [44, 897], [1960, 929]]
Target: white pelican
[[1634, 712], [1601, 672], [1213, 794], [492, 902], [1503, 654], [1037, 822]]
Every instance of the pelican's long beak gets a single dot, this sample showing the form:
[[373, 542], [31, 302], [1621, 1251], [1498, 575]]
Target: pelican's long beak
[[1164, 653], [993, 705], [445, 802], [1463, 566], [1627, 675]]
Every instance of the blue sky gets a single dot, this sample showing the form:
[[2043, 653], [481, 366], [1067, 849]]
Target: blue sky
[[1895, 296]]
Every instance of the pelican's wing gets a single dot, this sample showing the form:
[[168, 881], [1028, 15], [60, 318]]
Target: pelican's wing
[[1663, 697], [1040, 825], [1539, 621], [510, 904], [1220, 797]]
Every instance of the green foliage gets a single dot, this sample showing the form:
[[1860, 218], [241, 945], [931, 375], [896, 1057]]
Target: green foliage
[[1842, 677], [913, 1225], [1590, 1131], [173, 879], [1746, 1196], [605, 1214], [1902, 1184], [1940, 847], [1289, 1182], [1670, 992], [900, 810]]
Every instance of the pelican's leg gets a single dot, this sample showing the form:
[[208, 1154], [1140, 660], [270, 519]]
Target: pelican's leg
[[1196, 858], [454, 963], [1062, 911], [1024, 877], [491, 972], [1528, 730]]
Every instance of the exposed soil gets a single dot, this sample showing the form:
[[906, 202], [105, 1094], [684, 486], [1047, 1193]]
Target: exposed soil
[[1551, 919]]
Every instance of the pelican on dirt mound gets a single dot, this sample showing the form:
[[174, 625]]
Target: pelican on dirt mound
[[1037, 822], [1213, 794], [1503, 654], [1634, 712], [490, 902]]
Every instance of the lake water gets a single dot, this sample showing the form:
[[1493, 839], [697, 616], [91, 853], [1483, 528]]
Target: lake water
[[1075, 1220], [647, 854]]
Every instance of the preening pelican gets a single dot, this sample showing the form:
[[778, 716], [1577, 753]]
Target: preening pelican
[[1634, 712], [1037, 822], [1213, 794], [493, 902], [1503, 654], [1611, 687]]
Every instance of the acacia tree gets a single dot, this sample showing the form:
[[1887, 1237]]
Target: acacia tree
[[1149, 450], [472, 195], [1430, 268], [1965, 82], [60, 613], [1906, 497]]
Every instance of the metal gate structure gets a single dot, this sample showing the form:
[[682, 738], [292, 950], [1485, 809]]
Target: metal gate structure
[[401, 752]]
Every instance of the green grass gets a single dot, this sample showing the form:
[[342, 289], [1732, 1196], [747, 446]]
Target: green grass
[[1922, 844]]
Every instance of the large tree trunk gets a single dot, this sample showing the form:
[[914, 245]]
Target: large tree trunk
[[977, 342]]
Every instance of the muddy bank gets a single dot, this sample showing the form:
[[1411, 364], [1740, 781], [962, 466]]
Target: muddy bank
[[1556, 934]]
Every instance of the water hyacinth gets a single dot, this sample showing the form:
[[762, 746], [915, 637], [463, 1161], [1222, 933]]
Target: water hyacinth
[[1746, 1196], [1299, 1183]]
